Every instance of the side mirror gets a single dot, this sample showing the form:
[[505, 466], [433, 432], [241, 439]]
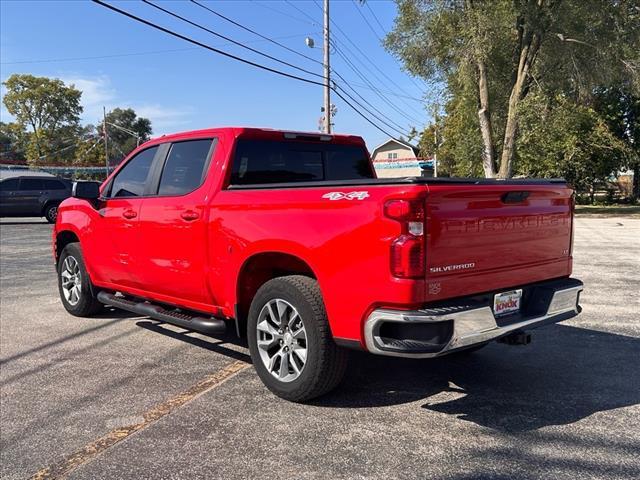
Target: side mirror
[[86, 190]]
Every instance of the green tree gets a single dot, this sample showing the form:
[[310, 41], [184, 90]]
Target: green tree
[[89, 148], [49, 110], [563, 139], [505, 49], [620, 109], [125, 129], [12, 142]]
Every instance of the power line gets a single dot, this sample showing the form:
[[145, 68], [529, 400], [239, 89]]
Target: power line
[[366, 58], [256, 33], [224, 37], [395, 94], [268, 7], [313, 21], [132, 54], [235, 57], [367, 102], [373, 30], [375, 17], [368, 82], [386, 92], [391, 125], [394, 126], [97, 57], [203, 45], [230, 20], [381, 119], [377, 78], [362, 115]]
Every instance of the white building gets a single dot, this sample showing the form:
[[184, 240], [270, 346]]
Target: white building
[[396, 158]]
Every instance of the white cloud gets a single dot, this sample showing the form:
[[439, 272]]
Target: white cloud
[[163, 117], [96, 93], [5, 116]]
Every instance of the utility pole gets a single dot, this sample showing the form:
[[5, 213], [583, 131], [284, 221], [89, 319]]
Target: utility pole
[[327, 79], [106, 148]]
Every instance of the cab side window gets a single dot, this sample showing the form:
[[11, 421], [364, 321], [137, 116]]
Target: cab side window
[[132, 178], [185, 168]]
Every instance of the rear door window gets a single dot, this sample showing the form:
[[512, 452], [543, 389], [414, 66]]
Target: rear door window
[[9, 185], [186, 167], [272, 161], [132, 178], [31, 184]]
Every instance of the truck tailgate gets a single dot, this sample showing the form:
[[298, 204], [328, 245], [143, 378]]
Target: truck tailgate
[[496, 236]]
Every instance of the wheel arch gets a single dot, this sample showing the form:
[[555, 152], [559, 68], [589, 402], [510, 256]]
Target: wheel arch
[[64, 238], [256, 271]]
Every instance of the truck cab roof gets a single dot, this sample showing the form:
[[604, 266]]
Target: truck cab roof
[[262, 133]]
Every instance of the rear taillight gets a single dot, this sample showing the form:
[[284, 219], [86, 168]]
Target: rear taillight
[[408, 249]]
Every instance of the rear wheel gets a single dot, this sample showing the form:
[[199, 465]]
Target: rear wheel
[[76, 290], [51, 213], [290, 342]]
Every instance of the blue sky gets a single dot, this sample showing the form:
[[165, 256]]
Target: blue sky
[[183, 87]]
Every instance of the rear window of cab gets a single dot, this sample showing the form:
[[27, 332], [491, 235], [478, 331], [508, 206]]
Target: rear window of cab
[[280, 161]]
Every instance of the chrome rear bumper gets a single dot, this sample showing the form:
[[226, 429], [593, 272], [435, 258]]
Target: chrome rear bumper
[[462, 326]]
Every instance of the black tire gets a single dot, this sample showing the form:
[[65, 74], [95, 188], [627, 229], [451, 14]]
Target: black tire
[[325, 363], [51, 213], [86, 303]]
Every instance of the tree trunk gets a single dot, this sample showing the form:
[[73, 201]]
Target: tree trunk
[[528, 52], [485, 122], [510, 129]]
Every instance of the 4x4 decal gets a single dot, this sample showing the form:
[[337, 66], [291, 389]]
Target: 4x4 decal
[[346, 196]]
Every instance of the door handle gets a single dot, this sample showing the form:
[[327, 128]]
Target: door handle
[[190, 215], [129, 214]]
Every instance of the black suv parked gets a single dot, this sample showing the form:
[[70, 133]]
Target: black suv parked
[[31, 196]]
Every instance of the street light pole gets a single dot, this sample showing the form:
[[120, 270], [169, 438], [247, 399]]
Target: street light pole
[[327, 74]]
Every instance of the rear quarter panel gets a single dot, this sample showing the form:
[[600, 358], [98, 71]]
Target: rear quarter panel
[[345, 243]]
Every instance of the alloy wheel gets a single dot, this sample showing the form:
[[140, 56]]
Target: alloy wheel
[[71, 280], [282, 340]]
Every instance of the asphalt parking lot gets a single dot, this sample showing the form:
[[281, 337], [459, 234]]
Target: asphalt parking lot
[[119, 396]]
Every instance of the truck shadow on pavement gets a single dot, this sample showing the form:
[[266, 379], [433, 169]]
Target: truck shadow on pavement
[[566, 374]]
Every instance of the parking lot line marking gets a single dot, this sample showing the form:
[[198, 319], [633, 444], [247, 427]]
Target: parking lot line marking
[[87, 453]]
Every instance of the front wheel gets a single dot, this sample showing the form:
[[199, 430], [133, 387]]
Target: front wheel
[[74, 285], [290, 341]]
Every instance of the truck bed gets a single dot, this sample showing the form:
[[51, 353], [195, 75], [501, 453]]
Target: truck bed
[[402, 181]]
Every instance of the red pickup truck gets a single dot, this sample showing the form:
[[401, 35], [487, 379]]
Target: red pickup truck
[[291, 237]]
